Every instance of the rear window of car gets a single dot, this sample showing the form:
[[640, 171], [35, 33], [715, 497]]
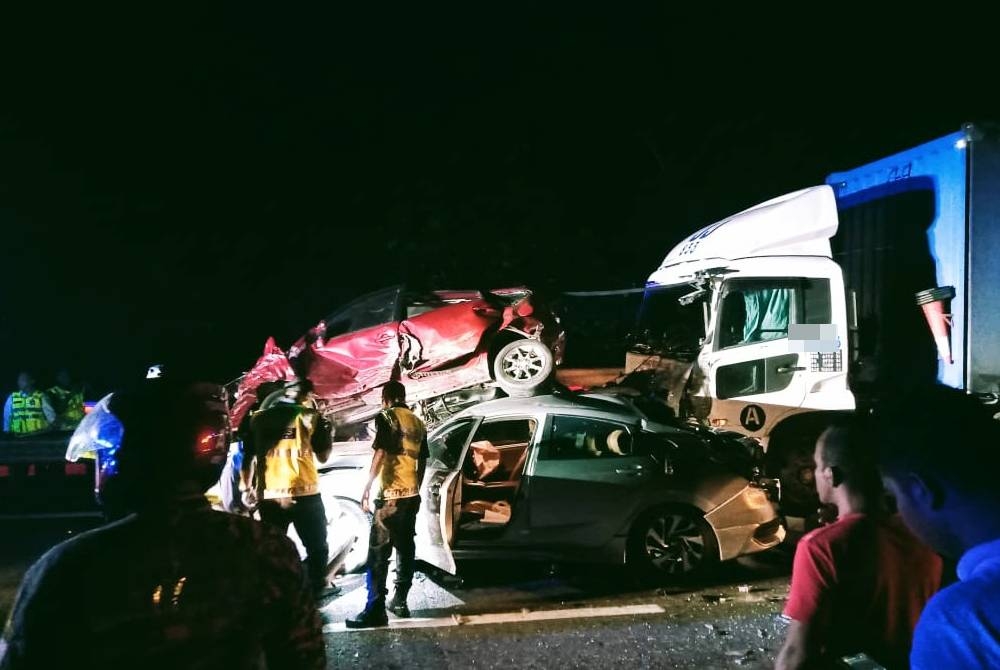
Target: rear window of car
[[573, 437]]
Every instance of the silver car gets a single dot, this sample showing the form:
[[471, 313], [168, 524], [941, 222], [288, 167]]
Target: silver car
[[580, 478]]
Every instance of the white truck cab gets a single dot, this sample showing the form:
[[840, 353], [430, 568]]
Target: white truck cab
[[808, 304]]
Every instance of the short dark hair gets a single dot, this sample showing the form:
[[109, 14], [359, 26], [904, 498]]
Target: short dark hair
[[394, 393], [847, 444], [941, 433]]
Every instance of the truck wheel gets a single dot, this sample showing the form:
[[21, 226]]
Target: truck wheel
[[523, 368], [671, 543], [793, 464]]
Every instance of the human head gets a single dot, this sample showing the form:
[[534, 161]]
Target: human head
[[157, 442], [299, 390], [845, 462], [393, 393], [939, 453], [63, 378], [267, 388], [284, 392], [26, 382]]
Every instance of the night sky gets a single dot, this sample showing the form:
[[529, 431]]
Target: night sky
[[188, 184]]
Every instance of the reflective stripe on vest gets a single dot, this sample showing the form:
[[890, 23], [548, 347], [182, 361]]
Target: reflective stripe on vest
[[399, 470], [26, 413], [68, 404], [289, 467]]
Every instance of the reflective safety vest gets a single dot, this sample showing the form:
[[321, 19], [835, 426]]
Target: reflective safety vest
[[284, 433], [401, 435], [26, 414], [68, 406]]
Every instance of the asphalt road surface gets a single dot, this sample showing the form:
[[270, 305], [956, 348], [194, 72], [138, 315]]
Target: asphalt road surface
[[502, 615], [529, 615]]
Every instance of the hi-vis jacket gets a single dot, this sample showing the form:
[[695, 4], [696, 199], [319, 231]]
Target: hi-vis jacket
[[68, 404], [403, 437], [26, 413], [284, 438]]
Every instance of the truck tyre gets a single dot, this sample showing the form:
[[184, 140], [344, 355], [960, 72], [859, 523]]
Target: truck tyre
[[523, 368], [792, 463]]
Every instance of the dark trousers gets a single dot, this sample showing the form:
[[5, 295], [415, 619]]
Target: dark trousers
[[393, 526], [308, 515]]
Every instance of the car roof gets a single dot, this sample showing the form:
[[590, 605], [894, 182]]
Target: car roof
[[465, 295], [578, 404]]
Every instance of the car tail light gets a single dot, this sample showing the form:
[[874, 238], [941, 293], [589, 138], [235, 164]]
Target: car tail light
[[756, 497], [524, 308]]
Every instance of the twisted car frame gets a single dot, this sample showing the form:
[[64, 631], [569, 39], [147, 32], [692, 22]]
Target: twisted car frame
[[574, 477], [450, 349]]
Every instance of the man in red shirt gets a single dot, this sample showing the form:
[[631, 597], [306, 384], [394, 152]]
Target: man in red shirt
[[859, 583]]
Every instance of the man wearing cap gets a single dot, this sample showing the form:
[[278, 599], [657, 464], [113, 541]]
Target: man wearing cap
[[286, 438]]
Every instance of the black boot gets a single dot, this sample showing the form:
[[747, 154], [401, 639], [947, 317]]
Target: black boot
[[373, 616], [398, 604]]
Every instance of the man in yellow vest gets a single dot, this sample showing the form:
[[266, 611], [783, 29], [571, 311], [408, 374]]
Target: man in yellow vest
[[67, 400], [286, 438], [400, 455], [27, 410]]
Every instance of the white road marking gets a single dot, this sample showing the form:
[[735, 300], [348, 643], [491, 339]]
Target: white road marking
[[508, 617]]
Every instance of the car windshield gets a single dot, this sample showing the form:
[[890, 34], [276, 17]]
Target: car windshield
[[667, 326], [369, 310]]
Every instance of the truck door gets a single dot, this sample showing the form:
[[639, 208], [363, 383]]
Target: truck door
[[778, 344]]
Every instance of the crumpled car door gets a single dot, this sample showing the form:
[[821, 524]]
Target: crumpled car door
[[353, 363], [437, 337], [357, 348]]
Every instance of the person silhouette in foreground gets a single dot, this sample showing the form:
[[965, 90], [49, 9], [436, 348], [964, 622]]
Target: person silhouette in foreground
[[859, 583], [172, 583]]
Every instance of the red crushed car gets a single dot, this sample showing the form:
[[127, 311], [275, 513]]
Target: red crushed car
[[449, 348]]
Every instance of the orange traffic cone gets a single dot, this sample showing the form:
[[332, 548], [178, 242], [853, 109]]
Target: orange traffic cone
[[936, 303]]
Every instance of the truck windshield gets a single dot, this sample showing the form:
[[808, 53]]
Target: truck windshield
[[665, 325]]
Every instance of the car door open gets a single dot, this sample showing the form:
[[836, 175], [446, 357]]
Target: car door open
[[440, 493]]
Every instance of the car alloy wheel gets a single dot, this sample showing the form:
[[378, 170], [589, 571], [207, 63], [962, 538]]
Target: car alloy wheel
[[673, 542], [523, 366], [347, 533]]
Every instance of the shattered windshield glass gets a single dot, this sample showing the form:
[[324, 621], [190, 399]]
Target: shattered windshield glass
[[667, 326]]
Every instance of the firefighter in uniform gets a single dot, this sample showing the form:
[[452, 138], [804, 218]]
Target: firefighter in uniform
[[282, 478], [67, 400], [400, 456], [27, 410]]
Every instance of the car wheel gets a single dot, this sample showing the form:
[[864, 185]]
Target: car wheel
[[347, 533], [672, 543], [523, 367]]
